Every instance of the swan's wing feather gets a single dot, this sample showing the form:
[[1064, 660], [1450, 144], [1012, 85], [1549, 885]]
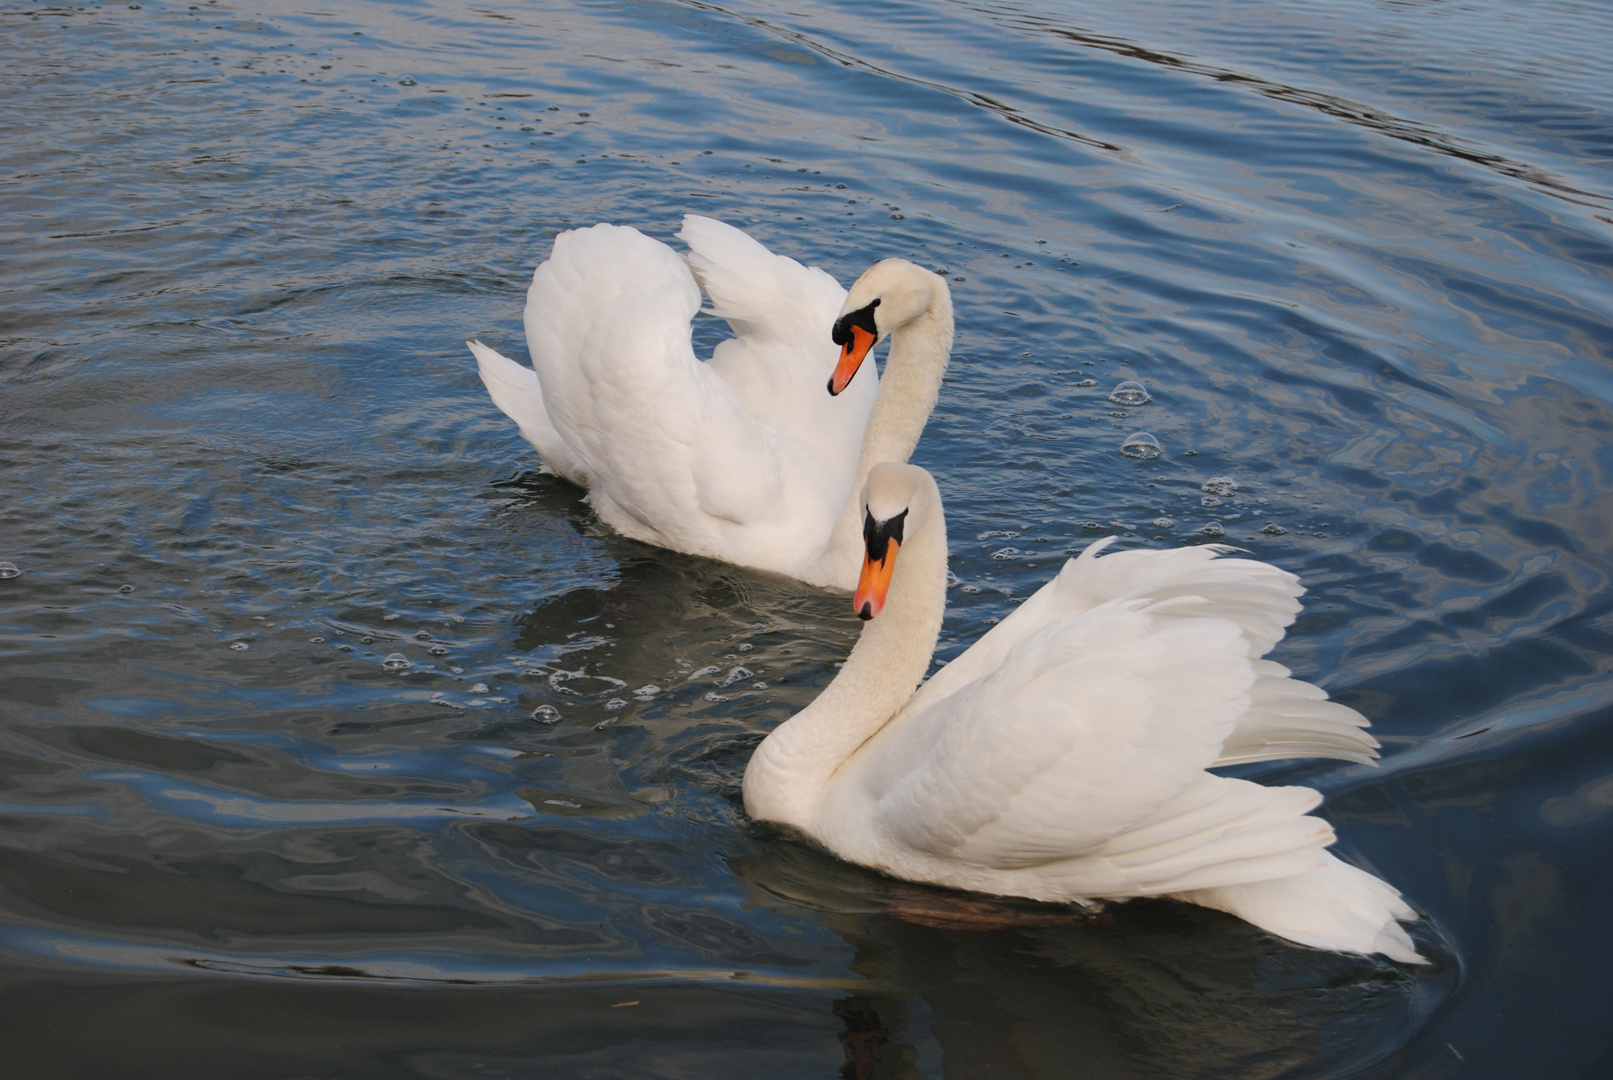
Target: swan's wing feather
[[1287, 718], [1119, 708], [765, 297], [779, 360], [607, 322], [517, 393]]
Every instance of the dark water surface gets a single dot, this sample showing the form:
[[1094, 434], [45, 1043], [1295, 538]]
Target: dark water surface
[[1360, 253]]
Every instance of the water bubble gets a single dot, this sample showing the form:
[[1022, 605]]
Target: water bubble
[[616, 703], [997, 534], [759, 686], [1090, 526], [478, 688], [546, 714], [239, 646], [317, 640], [406, 81], [1219, 485], [456, 669], [345, 648], [1086, 382], [422, 635], [714, 696], [736, 674], [9, 570], [1164, 522], [366, 640], [1209, 500], [971, 588], [125, 588], [645, 693], [1213, 528], [747, 647], [1274, 529], [396, 662], [438, 650], [1141, 445], [709, 669], [1130, 392], [1004, 554]]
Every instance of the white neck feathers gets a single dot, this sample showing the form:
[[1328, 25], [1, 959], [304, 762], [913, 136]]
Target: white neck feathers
[[908, 388], [789, 771]]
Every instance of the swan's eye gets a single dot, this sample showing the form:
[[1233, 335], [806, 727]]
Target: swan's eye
[[877, 535], [840, 333]]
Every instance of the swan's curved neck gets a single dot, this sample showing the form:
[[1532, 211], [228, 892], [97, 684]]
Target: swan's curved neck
[[908, 388], [787, 775]]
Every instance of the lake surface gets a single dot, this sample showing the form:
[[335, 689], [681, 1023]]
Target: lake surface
[[337, 741]]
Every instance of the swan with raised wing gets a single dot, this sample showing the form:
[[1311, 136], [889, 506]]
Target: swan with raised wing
[[1065, 755], [744, 457]]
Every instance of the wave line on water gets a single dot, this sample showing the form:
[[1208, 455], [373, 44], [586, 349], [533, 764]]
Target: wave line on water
[[387, 969]]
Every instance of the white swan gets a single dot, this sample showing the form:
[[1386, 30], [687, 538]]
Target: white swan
[[1063, 756], [744, 458]]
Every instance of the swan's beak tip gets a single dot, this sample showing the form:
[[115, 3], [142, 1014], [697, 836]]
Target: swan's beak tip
[[832, 391], [865, 612]]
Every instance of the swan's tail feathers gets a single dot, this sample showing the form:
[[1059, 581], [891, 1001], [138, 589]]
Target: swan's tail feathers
[[1334, 906], [517, 393], [1288, 718]]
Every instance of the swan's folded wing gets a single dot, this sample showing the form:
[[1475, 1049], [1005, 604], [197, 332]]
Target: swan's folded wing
[[608, 325], [1288, 718], [1260, 598], [1085, 729], [781, 355]]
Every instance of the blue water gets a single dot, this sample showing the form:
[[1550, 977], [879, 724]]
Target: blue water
[[1359, 253]]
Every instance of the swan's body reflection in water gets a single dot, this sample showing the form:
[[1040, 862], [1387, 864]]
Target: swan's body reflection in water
[[1144, 989]]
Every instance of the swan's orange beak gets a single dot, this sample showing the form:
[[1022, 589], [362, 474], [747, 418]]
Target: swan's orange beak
[[852, 354], [875, 582]]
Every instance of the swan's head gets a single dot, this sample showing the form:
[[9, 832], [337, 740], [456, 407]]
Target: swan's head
[[889, 295], [896, 501]]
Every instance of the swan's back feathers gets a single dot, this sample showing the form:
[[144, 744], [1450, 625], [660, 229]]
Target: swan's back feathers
[[608, 327], [1116, 703]]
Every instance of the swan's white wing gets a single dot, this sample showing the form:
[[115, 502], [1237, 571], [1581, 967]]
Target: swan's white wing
[[1286, 718], [1083, 731], [516, 391], [781, 355], [666, 440]]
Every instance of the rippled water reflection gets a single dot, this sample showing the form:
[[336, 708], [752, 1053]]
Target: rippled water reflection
[[334, 740]]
